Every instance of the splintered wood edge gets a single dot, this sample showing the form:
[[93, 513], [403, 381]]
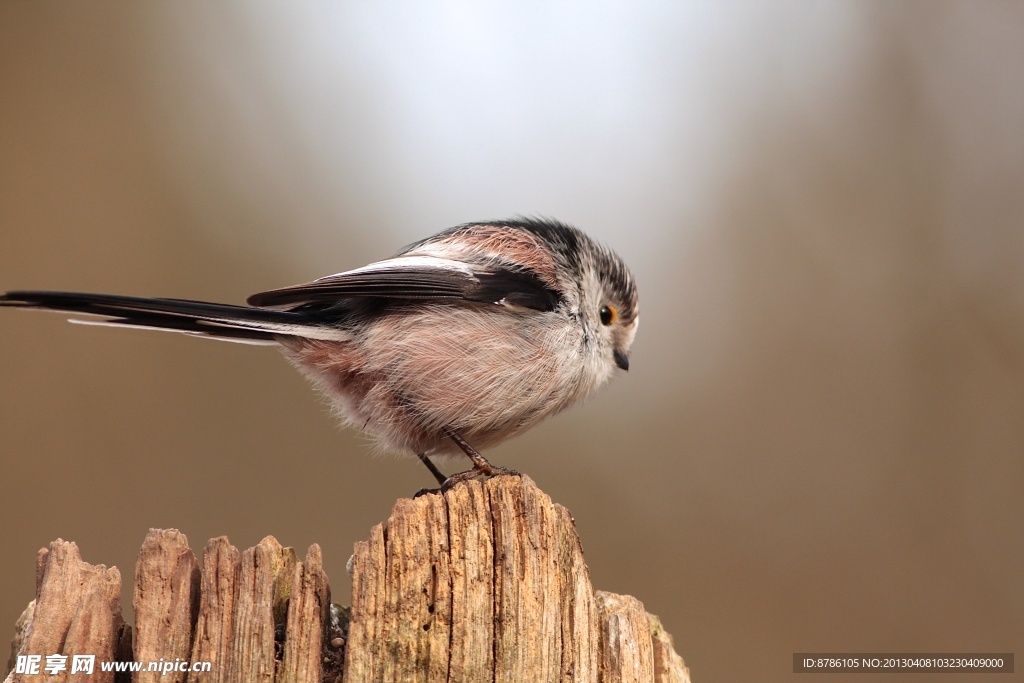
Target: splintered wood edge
[[267, 571], [471, 545], [21, 627], [166, 600], [634, 645], [226, 616], [77, 608], [489, 577], [215, 622], [544, 612], [367, 571], [669, 667], [308, 610], [626, 650]]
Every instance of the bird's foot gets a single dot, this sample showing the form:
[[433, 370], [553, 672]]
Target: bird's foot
[[474, 474]]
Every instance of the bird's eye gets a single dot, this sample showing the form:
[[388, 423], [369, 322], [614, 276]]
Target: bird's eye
[[608, 315]]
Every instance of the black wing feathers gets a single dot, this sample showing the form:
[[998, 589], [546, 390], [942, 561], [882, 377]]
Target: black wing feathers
[[520, 288], [388, 284], [173, 314], [315, 307], [116, 305]]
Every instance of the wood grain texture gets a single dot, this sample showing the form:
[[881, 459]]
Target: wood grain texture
[[471, 546], [668, 665], [215, 626], [485, 582], [77, 611], [166, 603], [20, 633], [306, 621], [267, 571], [627, 654]]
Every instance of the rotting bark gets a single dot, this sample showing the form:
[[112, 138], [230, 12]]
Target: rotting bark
[[485, 582]]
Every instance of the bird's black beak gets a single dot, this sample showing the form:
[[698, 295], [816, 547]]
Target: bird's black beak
[[622, 360]]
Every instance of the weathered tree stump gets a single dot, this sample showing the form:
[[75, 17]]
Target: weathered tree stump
[[483, 583]]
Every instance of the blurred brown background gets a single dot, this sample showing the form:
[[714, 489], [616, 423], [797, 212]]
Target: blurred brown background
[[820, 444]]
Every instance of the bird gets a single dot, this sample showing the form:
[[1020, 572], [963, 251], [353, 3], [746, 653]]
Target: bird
[[458, 342]]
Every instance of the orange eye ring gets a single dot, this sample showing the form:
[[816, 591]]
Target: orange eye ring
[[609, 315]]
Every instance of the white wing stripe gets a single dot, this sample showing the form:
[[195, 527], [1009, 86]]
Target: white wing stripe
[[407, 262], [306, 331]]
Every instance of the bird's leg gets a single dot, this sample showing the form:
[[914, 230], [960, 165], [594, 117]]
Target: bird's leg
[[481, 468], [479, 462], [438, 474]]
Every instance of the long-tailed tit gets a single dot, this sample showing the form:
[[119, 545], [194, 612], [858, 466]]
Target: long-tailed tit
[[471, 336]]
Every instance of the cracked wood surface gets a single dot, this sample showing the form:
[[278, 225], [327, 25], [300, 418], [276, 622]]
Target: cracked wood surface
[[485, 582]]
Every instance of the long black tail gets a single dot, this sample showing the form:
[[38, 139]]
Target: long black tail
[[220, 321]]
